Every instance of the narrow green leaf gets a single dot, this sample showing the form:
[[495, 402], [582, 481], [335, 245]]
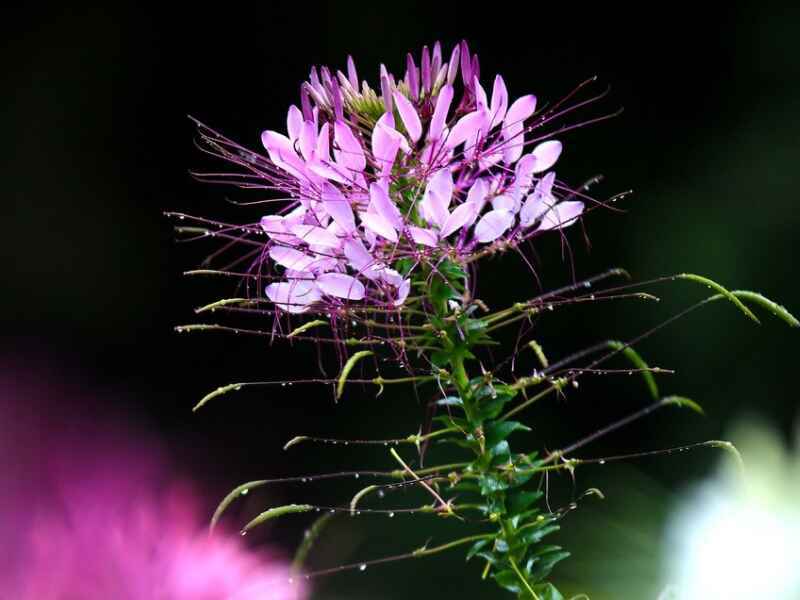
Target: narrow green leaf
[[237, 492], [721, 290], [220, 391], [311, 536], [636, 359], [683, 402], [348, 366], [497, 431], [274, 513], [306, 326], [773, 307], [221, 304]]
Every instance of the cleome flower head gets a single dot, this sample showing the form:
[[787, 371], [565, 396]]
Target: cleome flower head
[[379, 183]]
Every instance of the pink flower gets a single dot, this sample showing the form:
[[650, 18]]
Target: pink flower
[[90, 513], [382, 181]]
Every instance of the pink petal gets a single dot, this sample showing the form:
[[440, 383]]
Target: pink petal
[[478, 192], [463, 215], [425, 237], [409, 115], [561, 215], [384, 149], [523, 175], [513, 143], [383, 205], [546, 155], [378, 225], [505, 202], [439, 117], [293, 296], [402, 292], [534, 207], [360, 260], [291, 258], [274, 226], [468, 129], [545, 184], [521, 109], [338, 207], [391, 277], [281, 152], [294, 122], [311, 234], [499, 101], [348, 152], [480, 95], [341, 286], [308, 140], [493, 224], [323, 143], [436, 200]]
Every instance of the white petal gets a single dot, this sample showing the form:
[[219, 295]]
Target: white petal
[[293, 296], [561, 215], [311, 234], [462, 216], [493, 224], [546, 155], [425, 237], [341, 286], [291, 258], [378, 225]]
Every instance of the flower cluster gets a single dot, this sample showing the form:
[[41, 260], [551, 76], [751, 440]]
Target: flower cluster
[[377, 184]]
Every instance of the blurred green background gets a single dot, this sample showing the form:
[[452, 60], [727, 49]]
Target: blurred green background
[[97, 145]]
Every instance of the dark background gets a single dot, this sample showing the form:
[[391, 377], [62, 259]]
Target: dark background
[[97, 145]]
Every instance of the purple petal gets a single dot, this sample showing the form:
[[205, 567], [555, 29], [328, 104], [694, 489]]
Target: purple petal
[[386, 89], [453, 64], [293, 296], [409, 115], [493, 224], [546, 155], [545, 184], [291, 258], [349, 153], [439, 117], [383, 205], [317, 236], [338, 207], [523, 175], [534, 207], [377, 224], [412, 76], [352, 75], [561, 215], [391, 277], [425, 237], [463, 215], [307, 140], [341, 286]]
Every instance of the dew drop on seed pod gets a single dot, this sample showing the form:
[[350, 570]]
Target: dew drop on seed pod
[[244, 492]]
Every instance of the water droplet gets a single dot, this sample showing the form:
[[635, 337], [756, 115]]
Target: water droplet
[[381, 493], [362, 567], [283, 384], [601, 462], [304, 480], [332, 511], [391, 515], [244, 492], [575, 383], [243, 533], [356, 476]]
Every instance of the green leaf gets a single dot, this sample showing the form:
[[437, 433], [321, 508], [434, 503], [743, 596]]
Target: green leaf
[[508, 580], [683, 402], [348, 366], [237, 492], [520, 500], [274, 513], [721, 290], [547, 591], [765, 303], [476, 547], [498, 431]]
